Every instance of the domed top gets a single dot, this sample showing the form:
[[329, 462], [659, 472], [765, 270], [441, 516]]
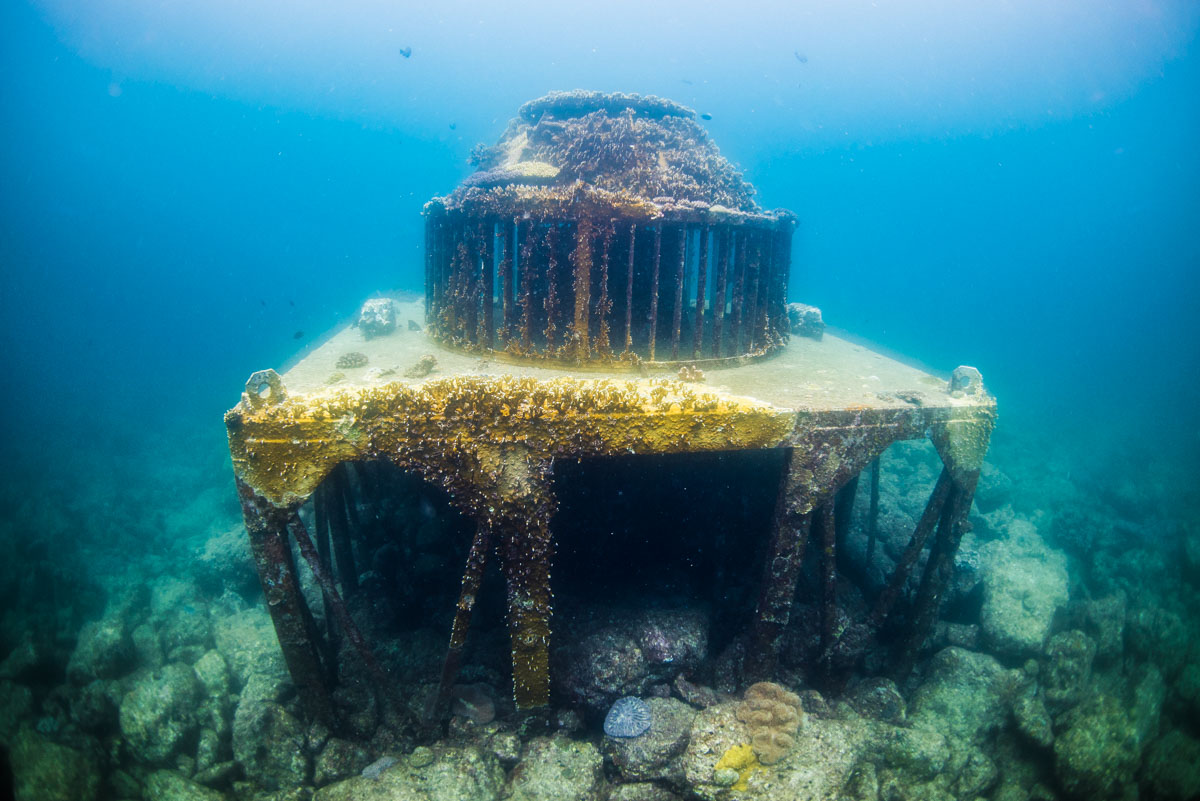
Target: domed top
[[633, 155]]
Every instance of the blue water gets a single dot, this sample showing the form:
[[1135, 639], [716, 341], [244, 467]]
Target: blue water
[[186, 189]]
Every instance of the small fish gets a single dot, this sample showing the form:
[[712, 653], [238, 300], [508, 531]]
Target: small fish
[[298, 335], [803, 59], [406, 51], [685, 80], [262, 301], [706, 116], [454, 126], [291, 303]]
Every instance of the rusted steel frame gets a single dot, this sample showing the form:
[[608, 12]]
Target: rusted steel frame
[[938, 570], [753, 279], [843, 514], [781, 272], [487, 328], [507, 316], [873, 513], [933, 511], [785, 556], [471, 580], [739, 288], [294, 626], [300, 535], [701, 278], [526, 269], [604, 304], [551, 302], [581, 258], [718, 305], [680, 272], [825, 525], [471, 284], [340, 531], [629, 290], [654, 289], [449, 321]]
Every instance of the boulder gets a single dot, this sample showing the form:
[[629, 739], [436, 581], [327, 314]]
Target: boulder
[[158, 716], [655, 754], [268, 740], [377, 317], [557, 769], [962, 695], [167, 785], [104, 650], [1172, 768], [46, 771], [452, 774], [1024, 584]]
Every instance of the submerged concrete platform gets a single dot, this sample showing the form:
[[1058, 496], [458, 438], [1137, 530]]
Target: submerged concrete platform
[[489, 430]]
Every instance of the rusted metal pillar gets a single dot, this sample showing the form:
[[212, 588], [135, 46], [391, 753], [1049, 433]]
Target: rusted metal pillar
[[552, 288], [508, 316], [487, 284], [701, 278], [680, 274], [337, 502], [604, 303], [873, 512], [294, 625], [654, 289], [719, 292], [527, 278], [629, 290], [825, 524], [471, 580], [785, 556], [581, 257]]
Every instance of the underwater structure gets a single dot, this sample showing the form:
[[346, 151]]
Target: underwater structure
[[578, 286]]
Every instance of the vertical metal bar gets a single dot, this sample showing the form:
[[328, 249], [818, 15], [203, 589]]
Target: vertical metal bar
[[552, 289], [508, 315], [487, 327], [604, 304], [582, 258], [471, 580], [701, 278], [321, 522], [739, 287], [526, 269], [719, 292], [767, 259], [680, 272], [342, 549], [753, 276], [654, 289], [781, 270], [629, 291]]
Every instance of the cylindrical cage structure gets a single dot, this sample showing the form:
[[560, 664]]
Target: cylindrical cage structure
[[602, 289]]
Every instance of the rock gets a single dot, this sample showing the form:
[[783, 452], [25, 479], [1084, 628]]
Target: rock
[[1158, 635], [213, 674], [654, 755], [94, 708], [641, 791], [805, 320], [27, 662], [158, 716], [339, 759], [877, 698], [455, 774], [247, 642], [1024, 584], [1172, 767], [377, 317], [919, 753], [148, 647], [46, 771], [268, 741], [678, 638], [1103, 619], [1098, 752], [557, 769], [225, 563], [961, 695], [1032, 718], [994, 489], [104, 650], [16, 704], [816, 768], [167, 785], [1067, 667]]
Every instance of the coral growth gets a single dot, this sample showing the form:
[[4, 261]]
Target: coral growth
[[740, 759], [351, 360], [772, 714]]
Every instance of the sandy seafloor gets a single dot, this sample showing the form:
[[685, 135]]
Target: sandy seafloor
[[137, 660]]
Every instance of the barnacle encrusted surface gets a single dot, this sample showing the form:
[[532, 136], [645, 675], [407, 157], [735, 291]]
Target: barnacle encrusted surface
[[628, 717], [639, 148]]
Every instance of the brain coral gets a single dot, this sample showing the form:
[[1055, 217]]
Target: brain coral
[[772, 714]]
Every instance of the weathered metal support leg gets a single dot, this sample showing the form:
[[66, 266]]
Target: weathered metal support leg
[[785, 557], [929, 518], [873, 513], [472, 578], [826, 524], [937, 573], [294, 626], [321, 523], [336, 504]]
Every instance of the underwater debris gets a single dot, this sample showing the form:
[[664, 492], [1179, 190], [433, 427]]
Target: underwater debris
[[405, 51], [376, 768], [376, 318], [690, 373], [351, 360], [424, 366], [805, 320], [628, 717]]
